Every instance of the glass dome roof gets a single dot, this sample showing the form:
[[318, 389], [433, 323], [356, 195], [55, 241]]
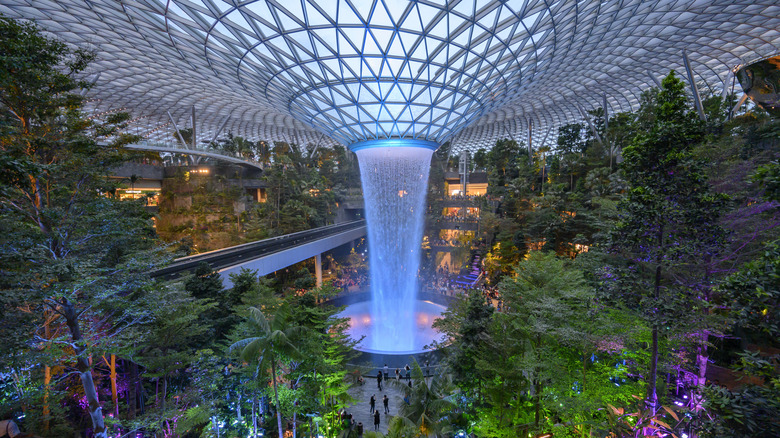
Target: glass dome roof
[[344, 71]]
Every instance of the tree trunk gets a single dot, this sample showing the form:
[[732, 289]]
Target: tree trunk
[[114, 394], [276, 396], [702, 356], [238, 408], [652, 395], [537, 386], [85, 374], [46, 390], [46, 377], [164, 393], [295, 425], [254, 416], [537, 403]]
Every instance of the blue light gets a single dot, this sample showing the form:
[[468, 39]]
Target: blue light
[[393, 142]]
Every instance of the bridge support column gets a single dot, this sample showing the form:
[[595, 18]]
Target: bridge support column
[[318, 269]]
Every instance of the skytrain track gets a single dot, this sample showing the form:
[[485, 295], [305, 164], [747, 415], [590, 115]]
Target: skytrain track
[[227, 257]]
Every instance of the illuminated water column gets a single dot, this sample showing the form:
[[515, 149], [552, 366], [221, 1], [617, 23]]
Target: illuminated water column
[[394, 174]]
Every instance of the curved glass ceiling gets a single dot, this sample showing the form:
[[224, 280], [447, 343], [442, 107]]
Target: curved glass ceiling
[[343, 71]]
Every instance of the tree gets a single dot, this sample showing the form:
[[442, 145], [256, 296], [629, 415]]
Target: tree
[[74, 253], [168, 343], [480, 159], [668, 220], [543, 300], [503, 163], [428, 407], [751, 297], [466, 324], [272, 339], [571, 146]]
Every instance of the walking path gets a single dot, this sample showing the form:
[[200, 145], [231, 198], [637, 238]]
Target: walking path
[[361, 411]]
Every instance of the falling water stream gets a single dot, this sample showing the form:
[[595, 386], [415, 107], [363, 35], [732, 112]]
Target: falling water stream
[[395, 182]]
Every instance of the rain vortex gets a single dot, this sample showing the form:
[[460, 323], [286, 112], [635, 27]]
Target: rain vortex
[[395, 182]]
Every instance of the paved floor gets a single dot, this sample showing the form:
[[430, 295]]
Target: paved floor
[[361, 411]]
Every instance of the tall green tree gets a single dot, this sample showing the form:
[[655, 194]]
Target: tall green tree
[[74, 252], [271, 339], [669, 218], [543, 301], [467, 326]]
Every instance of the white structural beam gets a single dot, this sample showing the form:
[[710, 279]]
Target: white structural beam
[[178, 133], [740, 102], [194, 130], [318, 269], [694, 89], [193, 153]]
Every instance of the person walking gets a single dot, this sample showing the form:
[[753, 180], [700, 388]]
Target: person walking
[[372, 403], [376, 421], [386, 402], [379, 380]]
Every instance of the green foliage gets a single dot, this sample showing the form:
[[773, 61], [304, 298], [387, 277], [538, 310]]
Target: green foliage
[[668, 220], [427, 410], [270, 338], [504, 162], [752, 294], [467, 324], [76, 255], [768, 177], [752, 410]]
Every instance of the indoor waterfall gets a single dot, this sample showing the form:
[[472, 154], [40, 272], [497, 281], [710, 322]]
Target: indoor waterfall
[[395, 183]]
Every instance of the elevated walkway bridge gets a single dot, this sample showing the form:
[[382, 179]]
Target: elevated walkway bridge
[[194, 152], [269, 255]]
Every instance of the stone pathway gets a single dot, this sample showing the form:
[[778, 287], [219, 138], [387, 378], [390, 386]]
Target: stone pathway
[[361, 411]]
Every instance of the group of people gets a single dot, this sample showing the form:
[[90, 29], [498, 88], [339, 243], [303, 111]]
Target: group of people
[[372, 403], [383, 376], [350, 278]]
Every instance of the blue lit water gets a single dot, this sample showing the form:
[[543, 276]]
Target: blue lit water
[[395, 183]]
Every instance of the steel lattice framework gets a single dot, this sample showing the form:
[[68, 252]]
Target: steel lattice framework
[[344, 71]]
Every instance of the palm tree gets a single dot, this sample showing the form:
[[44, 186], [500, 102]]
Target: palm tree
[[272, 339], [426, 406]]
